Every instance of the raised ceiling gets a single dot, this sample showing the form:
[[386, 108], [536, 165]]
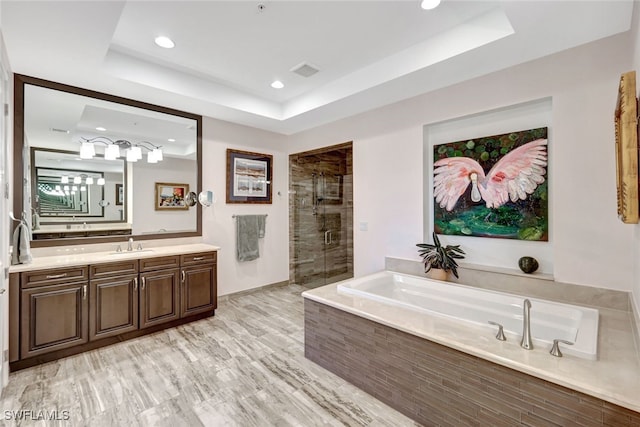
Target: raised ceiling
[[368, 53]]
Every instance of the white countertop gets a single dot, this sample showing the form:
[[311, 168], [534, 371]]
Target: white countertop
[[614, 377], [85, 258]]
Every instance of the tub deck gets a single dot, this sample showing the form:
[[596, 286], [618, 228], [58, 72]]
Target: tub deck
[[614, 377]]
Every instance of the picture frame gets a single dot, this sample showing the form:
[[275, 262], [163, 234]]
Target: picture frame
[[626, 130], [249, 177], [171, 196], [119, 195]]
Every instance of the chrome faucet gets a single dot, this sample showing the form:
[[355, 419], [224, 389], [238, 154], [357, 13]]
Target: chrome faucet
[[526, 342], [130, 244]]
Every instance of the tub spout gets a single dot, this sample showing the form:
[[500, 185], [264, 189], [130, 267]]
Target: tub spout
[[527, 342]]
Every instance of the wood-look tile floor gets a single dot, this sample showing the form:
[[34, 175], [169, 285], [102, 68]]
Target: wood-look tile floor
[[243, 367]]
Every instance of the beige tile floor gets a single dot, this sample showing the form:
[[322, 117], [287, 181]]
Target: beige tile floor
[[243, 367]]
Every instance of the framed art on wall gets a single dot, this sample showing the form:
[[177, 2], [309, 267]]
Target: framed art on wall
[[170, 196], [248, 177], [626, 125], [119, 194], [493, 186]]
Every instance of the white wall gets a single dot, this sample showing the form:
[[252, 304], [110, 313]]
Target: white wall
[[590, 245], [635, 24], [144, 177], [218, 224]]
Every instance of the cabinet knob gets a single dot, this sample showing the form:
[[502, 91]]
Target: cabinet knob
[[84, 292], [143, 283], [56, 276], [198, 258], [135, 283], [182, 276]]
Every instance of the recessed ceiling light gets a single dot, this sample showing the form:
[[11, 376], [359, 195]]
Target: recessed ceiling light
[[164, 42], [277, 84], [101, 129], [171, 140], [429, 4]]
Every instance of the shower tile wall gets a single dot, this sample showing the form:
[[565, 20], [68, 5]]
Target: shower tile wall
[[310, 217]]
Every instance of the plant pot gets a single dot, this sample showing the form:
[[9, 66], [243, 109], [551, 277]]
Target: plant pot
[[438, 274]]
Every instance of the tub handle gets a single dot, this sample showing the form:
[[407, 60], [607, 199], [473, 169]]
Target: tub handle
[[555, 349], [500, 335]]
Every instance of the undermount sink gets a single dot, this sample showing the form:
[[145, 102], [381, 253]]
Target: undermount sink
[[137, 251]]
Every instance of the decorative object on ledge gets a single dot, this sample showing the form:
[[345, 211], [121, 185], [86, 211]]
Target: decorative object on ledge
[[626, 122], [248, 177], [508, 180], [528, 264], [171, 196], [440, 257]]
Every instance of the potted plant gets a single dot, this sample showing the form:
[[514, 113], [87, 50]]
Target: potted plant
[[438, 257]]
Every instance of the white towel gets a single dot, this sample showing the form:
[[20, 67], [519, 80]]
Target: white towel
[[21, 245]]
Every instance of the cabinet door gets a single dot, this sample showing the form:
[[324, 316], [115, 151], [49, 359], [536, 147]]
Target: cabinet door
[[113, 306], [53, 317], [198, 289], [159, 297]]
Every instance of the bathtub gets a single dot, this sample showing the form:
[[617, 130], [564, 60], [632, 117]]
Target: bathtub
[[549, 320]]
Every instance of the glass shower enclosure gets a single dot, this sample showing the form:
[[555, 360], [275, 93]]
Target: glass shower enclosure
[[321, 216]]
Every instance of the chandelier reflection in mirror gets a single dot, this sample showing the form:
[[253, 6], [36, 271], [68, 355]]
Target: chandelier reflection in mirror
[[133, 151]]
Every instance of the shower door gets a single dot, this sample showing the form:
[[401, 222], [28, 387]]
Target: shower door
[[321, 221]]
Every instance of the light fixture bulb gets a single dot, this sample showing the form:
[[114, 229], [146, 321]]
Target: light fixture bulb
[[112, 152], [77, 180], [83, 188], [165, 42], [100, 181], [64, 180], [151, 158], [131, 156], [89, 180], [157, 153], [74, 188], [429, 4], [66, 188], [277, 84], [58, 188], [87, 150], [137, 151]]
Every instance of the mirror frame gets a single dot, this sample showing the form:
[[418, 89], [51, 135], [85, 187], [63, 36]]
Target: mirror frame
[[19, 83]]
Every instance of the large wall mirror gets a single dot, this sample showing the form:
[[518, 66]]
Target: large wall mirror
[[90, 163]]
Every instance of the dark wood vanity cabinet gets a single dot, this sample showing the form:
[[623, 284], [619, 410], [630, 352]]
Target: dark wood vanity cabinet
[[159, 290], [54, 310], [113, 301], [77, 308], [198, 283]]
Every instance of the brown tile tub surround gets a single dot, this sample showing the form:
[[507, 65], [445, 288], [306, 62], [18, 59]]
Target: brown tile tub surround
[[439, 386]]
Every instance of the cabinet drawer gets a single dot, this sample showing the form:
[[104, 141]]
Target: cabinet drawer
[[160, 263], [54, 276], [113, 269], [198, 258]]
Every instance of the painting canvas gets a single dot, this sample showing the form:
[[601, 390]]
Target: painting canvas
[[171, 196], [248, 177], [494, 186]]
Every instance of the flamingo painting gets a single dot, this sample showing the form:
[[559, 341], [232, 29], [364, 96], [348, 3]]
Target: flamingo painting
[[496, 203]]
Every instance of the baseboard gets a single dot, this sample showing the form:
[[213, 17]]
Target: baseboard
[[252, 290]]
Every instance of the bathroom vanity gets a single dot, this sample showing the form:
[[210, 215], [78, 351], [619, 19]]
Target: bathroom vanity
[[63, 305]]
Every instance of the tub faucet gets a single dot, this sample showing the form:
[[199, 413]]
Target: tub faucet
[[130, 244], [526, 342]]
